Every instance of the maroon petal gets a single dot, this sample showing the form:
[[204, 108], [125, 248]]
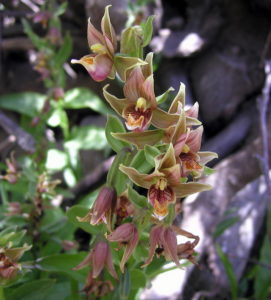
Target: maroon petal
[[100, 253], [169, 242]]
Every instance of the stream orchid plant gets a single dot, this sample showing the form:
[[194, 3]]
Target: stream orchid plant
[[158, 162]]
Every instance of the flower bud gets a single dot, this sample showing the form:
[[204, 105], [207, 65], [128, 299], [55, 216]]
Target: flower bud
[[126, 234]]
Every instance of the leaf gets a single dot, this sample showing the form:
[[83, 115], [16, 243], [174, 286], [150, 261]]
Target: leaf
[[137, 199], [139, 162], [87, 137], [64, 52], [147, 30], [150, 153], [63, 263], [11, 234], [115, 177], [33, 290], [38, 42], [28, 103], [138, 278], [56, 160], [229, 271], [262, 274], [78, 98], [113, 124], [224, 225], [81, 211]]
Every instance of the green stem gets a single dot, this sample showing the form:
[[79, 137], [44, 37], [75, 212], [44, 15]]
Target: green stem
[[2, 296]]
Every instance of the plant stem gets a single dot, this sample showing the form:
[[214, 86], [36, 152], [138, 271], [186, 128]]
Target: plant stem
[[2, 296]]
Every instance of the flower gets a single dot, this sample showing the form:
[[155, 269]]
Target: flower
[[163, 241], [164, 184], [99, 257], [124, 208], [97, 287], [139, 107], [187, 143], [103, 208], [103, 45], [127, 235], [9, 266]]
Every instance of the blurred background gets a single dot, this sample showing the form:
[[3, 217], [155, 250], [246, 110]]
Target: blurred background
[[221, 51]]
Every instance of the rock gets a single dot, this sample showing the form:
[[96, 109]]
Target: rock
[[222, 81]]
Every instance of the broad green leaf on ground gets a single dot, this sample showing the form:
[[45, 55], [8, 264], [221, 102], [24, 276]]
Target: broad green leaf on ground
[[27, 103], [114, 125], [84, 98], [34, 290]]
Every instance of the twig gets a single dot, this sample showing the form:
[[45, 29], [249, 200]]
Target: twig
[[24, 139], [263, 102]]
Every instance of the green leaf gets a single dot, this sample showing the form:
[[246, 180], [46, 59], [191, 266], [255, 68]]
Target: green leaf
[[63, 263], [150, 153], [64, 52], [61, 9], [28, 103], [115, 177], [37, 289], [78, 98], [262, 283], [147, 30], [56, 160], [87, 137], [81, 211], [38, 42], [224, 225], [11, 234], [138, 279], [113, 124], [139, 162], [229, 271], [137, 199]]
